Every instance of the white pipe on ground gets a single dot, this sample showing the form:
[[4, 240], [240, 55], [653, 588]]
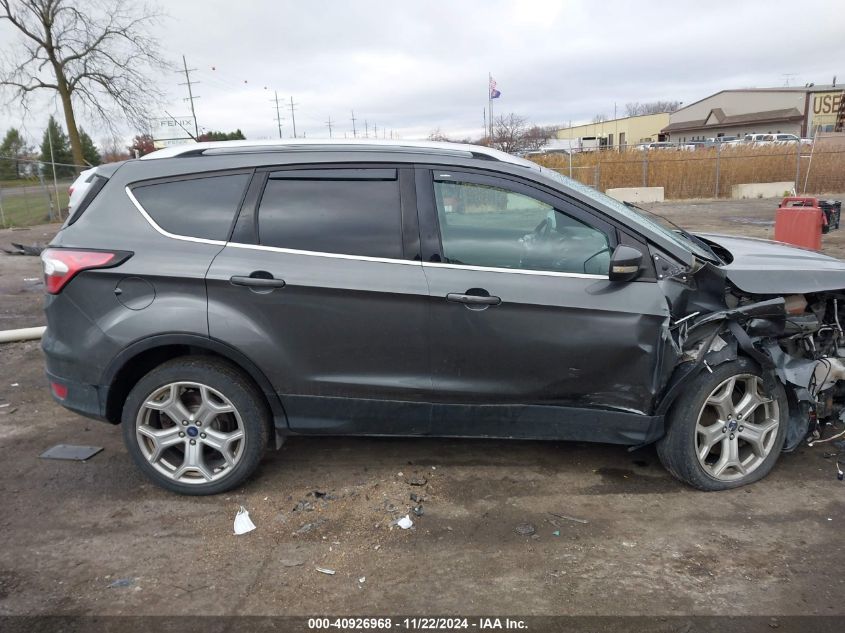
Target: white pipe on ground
[[25, 334]]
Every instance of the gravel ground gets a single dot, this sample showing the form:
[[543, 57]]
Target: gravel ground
[[613, 533]]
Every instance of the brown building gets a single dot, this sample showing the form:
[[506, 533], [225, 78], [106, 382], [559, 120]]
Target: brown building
[[800, 111]]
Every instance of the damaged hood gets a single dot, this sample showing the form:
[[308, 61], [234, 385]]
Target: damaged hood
[[766, 267]]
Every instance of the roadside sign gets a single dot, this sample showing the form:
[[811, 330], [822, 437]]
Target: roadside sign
[[168, 131]]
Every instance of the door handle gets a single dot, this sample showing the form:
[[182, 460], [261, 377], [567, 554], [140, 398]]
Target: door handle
[[257, 282], [473, 300]]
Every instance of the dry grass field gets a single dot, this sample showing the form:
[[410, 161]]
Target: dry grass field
[[708, 172]]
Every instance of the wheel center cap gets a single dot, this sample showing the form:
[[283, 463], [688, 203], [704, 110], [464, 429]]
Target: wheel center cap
[[731, 426], [193, 431]]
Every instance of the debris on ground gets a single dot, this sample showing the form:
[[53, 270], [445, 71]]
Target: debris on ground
[[71, 452], [362, 579], [310, 526], [556, 533], [569, 518], [243, 523], [525, 529], [416, 480], [417, 498], [291, 562], [33, 250], [121, 583], [418, 510], [405, 522], [325, 570]]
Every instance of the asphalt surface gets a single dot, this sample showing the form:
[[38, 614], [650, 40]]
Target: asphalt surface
[[613, 533]]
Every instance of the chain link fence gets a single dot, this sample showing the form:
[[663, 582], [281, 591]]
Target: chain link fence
[[34, 192], [708, 172]]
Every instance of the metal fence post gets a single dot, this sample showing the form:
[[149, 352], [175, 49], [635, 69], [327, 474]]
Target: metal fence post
[[797, 166], [570, 162], [718, 166], [47, 192], [598, 175], [645, 167], [2, 215]]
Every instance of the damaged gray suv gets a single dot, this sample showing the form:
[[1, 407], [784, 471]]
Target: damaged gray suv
[[214, 299]]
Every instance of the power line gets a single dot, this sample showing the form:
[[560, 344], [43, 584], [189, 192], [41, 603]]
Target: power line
[[278, 112], [292, 116], [354, 131], [191, 96], [329, 125]]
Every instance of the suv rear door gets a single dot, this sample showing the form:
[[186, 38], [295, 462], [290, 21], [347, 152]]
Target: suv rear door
[[322, 287], [523, 312]]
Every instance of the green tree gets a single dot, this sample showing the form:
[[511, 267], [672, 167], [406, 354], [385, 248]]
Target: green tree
[[12, 150], [61, 150], [237, 135], [89, 151]]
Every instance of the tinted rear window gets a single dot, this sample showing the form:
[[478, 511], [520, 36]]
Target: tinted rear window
[[349, 212], [198, 207]]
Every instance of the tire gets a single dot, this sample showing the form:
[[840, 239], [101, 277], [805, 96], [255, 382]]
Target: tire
[[221, 436], [703, 421]]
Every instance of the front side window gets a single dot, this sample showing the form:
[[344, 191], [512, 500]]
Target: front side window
[[482, 225], [348, 212], [197, 207]]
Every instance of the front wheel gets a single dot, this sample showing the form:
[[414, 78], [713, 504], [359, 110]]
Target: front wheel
[[196, 426], [727, 429]]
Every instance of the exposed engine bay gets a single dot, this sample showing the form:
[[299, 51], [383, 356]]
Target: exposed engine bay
[[797, 338]]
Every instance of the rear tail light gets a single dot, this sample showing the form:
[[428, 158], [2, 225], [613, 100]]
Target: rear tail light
[[62, 264]]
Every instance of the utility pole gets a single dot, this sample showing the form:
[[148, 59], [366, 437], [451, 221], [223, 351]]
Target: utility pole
[[354, 131], [278, 112], [329, 125], [191, 96], [366, 129], [293, 116], [375, 131]]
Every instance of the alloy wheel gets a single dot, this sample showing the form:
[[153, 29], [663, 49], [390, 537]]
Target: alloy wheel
[[736, 428], [190, 432]]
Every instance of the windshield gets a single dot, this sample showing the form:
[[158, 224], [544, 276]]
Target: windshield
[[630, 214]]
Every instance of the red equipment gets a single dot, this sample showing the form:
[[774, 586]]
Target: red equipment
[[800, 221]]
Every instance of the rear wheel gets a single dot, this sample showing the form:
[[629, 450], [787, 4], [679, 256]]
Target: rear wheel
[[196, 426], [727, 429]]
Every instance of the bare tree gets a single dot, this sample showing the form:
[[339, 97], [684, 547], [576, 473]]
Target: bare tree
[[512, 134], [91, 54], [599, 118], [652, 107], [437, 135]]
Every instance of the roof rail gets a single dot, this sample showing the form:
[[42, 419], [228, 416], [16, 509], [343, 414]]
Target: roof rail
[[362, 145]]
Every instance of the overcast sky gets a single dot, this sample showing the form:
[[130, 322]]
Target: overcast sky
[[412, 67]]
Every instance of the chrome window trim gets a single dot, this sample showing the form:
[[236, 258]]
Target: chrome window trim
[[293, 251], [515, 271], [174, 236], [361, 258]]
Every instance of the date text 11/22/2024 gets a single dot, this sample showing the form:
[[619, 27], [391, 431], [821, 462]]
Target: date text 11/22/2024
[[419, 624]]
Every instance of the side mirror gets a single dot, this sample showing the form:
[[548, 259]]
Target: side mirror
[[625, 264]]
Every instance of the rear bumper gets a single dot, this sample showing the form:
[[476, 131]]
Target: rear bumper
[[87, 400]]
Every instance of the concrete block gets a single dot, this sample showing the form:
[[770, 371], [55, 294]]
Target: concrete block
[[637, 194], [762, 190]]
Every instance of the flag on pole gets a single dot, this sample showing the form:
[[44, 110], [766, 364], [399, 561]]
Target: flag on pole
[[494, 94]]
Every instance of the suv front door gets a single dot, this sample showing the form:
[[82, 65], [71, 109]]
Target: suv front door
[[524, 317]]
